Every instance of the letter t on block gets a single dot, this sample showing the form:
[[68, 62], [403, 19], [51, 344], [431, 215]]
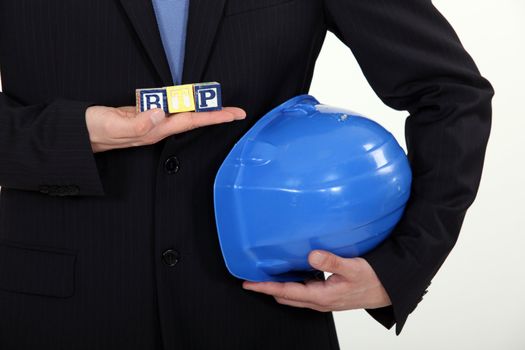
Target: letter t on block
[[207, 97], [180, 98]]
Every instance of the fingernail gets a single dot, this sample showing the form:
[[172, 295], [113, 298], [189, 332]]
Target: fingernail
[[318, 258], [157, 116], [240, 115]]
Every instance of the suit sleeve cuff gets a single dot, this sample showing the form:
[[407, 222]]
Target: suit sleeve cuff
[[73, 159], [403, 283]]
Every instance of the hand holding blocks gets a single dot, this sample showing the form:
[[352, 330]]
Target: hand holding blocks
[[198, 97]]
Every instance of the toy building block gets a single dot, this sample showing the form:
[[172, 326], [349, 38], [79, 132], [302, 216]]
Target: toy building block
[[207, 96], [151, 98], [199, 97], [180, 98]]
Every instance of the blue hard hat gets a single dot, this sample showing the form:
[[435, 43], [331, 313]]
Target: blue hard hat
[[307, 176]]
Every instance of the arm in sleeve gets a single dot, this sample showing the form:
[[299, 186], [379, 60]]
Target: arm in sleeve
[[46, 148], [414, 61]]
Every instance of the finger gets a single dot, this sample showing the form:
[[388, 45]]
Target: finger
[[216, 117], [132, 111], [329, 262], [180, 122], [300, 304], [129, 129], [287, 290]]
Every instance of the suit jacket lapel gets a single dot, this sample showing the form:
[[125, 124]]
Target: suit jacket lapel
[[203, 20], [142, 17]]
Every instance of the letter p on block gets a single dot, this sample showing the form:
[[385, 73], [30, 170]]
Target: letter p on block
[[207, 97]]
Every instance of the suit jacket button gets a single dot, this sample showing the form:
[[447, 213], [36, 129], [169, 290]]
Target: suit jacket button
[[52, 190], [73, 190], [171, 165], [171, 257], [61, 191]]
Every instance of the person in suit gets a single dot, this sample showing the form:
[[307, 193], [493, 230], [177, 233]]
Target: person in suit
[[107, 232]]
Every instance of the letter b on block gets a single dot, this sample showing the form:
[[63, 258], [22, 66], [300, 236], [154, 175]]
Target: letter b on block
[[207, 97], [152, 98]]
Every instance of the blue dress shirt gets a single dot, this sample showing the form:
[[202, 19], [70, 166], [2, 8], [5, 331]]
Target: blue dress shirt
[[172, 16]]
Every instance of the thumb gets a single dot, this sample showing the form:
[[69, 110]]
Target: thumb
[[156, 115], [141, 123], [145, 121], [326, 261]]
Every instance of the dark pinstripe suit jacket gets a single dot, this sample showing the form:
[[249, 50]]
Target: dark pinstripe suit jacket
[[82, 234]]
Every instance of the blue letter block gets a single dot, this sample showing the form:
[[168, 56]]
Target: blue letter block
[[207, 97], [152, 98]]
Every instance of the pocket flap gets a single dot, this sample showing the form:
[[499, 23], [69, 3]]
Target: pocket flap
[[36, 270]]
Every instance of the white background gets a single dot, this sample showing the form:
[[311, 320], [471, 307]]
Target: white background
[[477, 299]]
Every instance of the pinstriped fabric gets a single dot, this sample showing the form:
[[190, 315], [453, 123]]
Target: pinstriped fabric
[[142, 18], [87, 53], [58, 57]]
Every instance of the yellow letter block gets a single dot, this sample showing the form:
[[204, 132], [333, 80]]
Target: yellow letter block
[[180, 98]]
